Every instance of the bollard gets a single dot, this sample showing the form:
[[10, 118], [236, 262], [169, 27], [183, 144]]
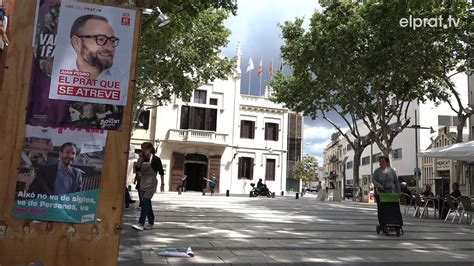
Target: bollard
[[282, 193], [179, 191], [227, 193], [203, 193], [273, 195], [297, 196]]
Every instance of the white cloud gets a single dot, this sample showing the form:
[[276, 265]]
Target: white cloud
[[316, 139], [320, 160], [317, 148], [318, 132]]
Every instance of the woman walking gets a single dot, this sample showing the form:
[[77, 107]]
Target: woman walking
[[149, 167], [388, 207], [384, 178]]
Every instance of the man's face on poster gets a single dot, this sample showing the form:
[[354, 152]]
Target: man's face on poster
[[97, 56], [68, 155], [88, 111]]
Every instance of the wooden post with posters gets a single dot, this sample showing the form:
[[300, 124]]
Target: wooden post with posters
[[55, 243]]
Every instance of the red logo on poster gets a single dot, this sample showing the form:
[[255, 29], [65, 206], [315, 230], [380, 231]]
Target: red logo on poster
[[125, 21]]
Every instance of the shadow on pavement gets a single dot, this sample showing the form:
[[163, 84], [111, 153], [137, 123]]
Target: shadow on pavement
[[284, 230]]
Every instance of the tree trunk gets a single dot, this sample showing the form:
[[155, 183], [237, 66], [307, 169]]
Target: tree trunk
[[385, 149], [355, 170], [460, 128]]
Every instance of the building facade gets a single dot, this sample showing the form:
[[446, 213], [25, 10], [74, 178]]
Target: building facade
[[295, 140], [335, 157], [239, 138], [439, 173]]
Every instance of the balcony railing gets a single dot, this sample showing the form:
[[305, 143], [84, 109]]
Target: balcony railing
[[193, 135]]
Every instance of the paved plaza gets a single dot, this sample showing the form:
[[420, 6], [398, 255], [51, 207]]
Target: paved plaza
[[283, 230]]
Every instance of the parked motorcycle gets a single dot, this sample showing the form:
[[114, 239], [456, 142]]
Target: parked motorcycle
[[262, 191]]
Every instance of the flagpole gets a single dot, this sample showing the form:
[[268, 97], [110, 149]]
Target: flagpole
[[250, 77], [261, 85]]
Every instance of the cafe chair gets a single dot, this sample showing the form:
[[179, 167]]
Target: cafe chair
[[453, 209], [406, 200], [418, 205], [429, 202], [465, 207]]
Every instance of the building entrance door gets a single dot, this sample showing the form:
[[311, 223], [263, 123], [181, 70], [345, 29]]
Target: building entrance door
[[442, 183], [196, 169]]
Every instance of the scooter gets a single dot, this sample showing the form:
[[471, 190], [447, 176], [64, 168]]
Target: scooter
[[263, 191]]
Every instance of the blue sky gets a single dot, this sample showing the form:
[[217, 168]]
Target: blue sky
[[256, 28]]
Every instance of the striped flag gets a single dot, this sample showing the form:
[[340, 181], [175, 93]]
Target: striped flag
[[270, 70], [250, 66], [260, 68]]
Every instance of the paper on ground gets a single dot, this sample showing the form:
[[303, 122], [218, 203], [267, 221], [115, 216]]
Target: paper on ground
[[185, 252]]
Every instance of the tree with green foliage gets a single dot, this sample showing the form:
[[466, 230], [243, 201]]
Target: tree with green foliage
[[177, 59], [306, 169], [455, 48], [358, 62], [456, 57]]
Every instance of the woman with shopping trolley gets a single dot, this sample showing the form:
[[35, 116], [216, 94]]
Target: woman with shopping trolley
[[387, 194]]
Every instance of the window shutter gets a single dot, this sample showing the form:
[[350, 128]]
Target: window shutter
[[241, 164], [207, 119], [276, 131], [241, 132], [252, 130], [266, 131], [270, 170], [192, 121], [251, 169], [273, 169], [184, 117], [213, 121]]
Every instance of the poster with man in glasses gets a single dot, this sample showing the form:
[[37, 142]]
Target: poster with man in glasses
[[93, 54], [43, 111]]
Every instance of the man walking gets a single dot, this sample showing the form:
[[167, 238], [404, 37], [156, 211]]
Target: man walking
[[213, 183], [183, 183]]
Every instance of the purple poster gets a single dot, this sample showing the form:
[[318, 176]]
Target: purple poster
[[49, 112]]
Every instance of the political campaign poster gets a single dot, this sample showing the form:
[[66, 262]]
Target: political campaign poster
[[93, 54], [42, 110], [59, 174]]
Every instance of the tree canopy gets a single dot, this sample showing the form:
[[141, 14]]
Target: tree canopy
[[358, 61], [306, 169]]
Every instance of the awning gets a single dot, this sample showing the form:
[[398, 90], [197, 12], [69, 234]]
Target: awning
[[459, 151]]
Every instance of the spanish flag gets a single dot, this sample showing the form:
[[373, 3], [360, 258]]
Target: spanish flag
[[260, 68]]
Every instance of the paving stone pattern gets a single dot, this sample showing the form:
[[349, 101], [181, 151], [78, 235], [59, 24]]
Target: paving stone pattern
[[257, 231]]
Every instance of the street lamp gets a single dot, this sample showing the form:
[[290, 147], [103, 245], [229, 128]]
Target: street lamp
[[416, 127], [161, 20]]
